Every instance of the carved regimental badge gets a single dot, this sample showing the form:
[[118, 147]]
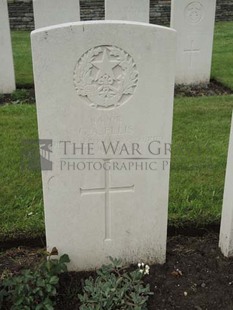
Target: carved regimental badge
[[194, 13], [105, 77]]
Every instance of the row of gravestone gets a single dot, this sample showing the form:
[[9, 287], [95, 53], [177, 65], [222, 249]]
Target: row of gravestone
[[104, 93], [193, 20]]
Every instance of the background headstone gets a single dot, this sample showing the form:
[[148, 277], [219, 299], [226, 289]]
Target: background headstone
[[7, 74], [53, 12], [194, 22], [96, 83], [130, 10], [226, 230]]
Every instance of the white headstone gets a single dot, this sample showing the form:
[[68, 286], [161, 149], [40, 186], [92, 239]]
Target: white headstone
[[194, 23], [99, 83], [7, 74], [53, 12], [130, 10], [226, 230]]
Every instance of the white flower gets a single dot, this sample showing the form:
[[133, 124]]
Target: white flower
[[29, 214], [147, 269], [144, 269]]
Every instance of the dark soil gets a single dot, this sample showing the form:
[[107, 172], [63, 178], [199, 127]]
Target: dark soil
[[195, 276], [16, 259], [214, 88], [26, 93], [21, 95]]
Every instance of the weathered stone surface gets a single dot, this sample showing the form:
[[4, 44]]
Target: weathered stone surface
[[131, 10], [53, 12], [194, 22], [226, 230], [100, 84], [7, 74]]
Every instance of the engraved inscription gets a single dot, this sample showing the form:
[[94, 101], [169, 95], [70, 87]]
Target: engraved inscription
[[107, 190], [106, 125], [191, 53], [194, 13], [105, 77]]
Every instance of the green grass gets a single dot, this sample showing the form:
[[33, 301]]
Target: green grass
[[200, 142], [20, 190], [22, 57], [222, 67]]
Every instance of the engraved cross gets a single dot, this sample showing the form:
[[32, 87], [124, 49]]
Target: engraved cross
[[191, 52], [107, 190]]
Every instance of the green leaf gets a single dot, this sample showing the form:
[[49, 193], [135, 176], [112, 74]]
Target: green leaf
[[114, 288], [54, 280], [64, 259]]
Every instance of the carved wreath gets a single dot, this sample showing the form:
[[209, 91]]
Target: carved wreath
[[105, 92]]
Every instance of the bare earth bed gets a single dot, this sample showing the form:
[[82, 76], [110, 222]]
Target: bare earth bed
[[195, 276], [214, 88]]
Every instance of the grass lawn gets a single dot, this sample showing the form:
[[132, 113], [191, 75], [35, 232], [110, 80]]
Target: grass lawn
[[200, 144], [222, 55], [20, 190], [222, 64], [22, 57], [200, 141]]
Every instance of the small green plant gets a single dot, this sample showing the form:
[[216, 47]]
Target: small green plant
[[19, 94], [22, 96], [34, 289], [116, 288]]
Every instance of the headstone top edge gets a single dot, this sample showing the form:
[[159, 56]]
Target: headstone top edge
[[101, 22]]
